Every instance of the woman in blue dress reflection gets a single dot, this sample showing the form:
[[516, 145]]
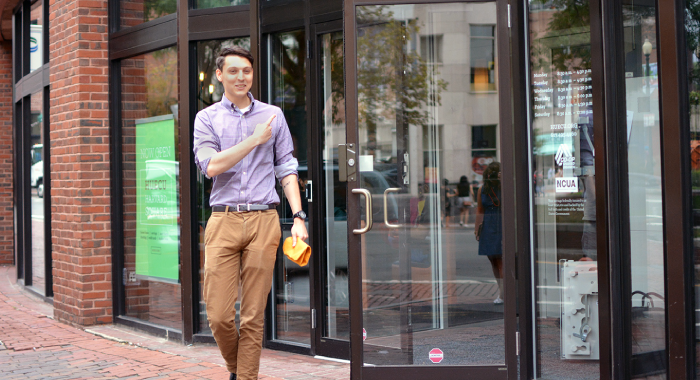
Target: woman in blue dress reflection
[[488, 226]]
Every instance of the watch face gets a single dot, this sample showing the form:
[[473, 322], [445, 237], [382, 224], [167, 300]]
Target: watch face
[[301, 214]]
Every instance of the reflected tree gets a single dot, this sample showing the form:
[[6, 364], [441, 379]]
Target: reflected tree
[[392, 77]]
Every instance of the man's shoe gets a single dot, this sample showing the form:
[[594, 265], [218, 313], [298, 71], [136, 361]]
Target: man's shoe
[[232, 377]]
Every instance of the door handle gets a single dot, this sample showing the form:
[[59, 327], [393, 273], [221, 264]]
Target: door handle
[[368, 208], [386, 213]]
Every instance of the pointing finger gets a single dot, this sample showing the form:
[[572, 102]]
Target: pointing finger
[[270, 119]]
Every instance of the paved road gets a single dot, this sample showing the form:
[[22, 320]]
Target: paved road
[[34, 346]]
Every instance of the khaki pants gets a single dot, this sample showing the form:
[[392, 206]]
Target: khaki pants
[[240, 247]]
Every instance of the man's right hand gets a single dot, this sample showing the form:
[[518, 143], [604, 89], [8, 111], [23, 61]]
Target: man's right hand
[[263, 131]]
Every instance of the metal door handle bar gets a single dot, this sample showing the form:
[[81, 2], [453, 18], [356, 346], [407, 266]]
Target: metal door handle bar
[[386, 213], [368, 208]]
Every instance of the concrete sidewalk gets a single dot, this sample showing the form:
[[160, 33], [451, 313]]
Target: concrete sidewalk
[[34, 346]]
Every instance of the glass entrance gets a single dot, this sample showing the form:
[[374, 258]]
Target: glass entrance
[[427, 170]]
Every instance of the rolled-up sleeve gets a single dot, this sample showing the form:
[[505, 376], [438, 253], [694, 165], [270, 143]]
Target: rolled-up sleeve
[[206, 142], [285, 163]]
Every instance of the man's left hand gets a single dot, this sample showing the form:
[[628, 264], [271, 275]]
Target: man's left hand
[[299, 231]]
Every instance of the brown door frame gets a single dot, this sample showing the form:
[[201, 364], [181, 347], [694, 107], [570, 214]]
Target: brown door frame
[[357, 370]]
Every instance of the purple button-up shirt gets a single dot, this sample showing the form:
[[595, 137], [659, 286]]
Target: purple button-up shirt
[[252, 180]]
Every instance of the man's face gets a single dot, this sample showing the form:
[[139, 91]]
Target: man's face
[[236, 76]]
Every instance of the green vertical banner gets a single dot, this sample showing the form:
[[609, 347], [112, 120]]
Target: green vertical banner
[[157, 230]]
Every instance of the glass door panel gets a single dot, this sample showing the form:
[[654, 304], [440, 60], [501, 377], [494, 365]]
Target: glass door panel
[[336, 322], [647, 298], [563, 201], [428, 153], [287, 81]]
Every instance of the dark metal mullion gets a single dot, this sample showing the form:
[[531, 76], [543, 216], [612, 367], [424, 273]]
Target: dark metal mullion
[[521, 169], [114, 16], [509, 188], [18, 193], [26, 170], [116, 190], [678, 231], [612, 187], [46, 157], [194, 270], [315, 170], [187, 185]]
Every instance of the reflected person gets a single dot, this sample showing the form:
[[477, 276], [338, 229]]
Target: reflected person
[[243, 144], [488, 224]]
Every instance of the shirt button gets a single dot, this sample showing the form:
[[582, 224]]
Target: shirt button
[[243, 173]]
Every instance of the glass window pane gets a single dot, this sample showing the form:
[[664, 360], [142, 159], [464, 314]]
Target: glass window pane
[[428, 284], [288, 91], [645, 202], [563, 196], [36, 36], [209, 91], [135, 12], [202, 4], [37, 201], [482, 55], [151, 188]]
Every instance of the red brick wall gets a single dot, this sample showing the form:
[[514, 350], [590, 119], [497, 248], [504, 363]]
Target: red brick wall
[[6, 152], [80, 183]]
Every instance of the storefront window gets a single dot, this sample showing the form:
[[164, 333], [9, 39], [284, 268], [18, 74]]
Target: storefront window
[[135, 12], [203, 4], [37, 183], [209, 91], [563, 201], [151, 188], [36, 36]]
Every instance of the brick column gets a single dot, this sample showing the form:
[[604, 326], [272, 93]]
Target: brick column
[[6, 154], [80, 182]]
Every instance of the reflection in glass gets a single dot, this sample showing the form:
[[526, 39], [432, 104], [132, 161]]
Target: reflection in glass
[[37, 182], [203, 4], [36, 36], [209, 91], [151, 196], [563, 194], [135, 12], [287, 78], [337, 323], [426, 282], [644, 170]]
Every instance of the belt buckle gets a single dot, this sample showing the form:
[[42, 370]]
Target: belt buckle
[[238, 207]]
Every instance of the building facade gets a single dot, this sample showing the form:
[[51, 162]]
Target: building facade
[[569, 128]]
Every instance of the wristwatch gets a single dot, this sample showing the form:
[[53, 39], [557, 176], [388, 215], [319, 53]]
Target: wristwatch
[[300, 214]]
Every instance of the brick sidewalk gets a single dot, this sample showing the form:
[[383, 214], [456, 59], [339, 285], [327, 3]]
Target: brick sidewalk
[[34, 346]]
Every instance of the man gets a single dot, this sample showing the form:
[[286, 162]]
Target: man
[[243, 144]]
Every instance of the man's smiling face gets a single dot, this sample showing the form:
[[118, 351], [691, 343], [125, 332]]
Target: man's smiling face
[[236, 76]]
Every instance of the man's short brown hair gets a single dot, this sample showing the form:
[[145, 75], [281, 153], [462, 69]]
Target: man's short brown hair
[[235, 50]]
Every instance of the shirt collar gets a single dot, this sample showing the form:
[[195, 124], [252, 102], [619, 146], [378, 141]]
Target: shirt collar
[[228, 105]]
